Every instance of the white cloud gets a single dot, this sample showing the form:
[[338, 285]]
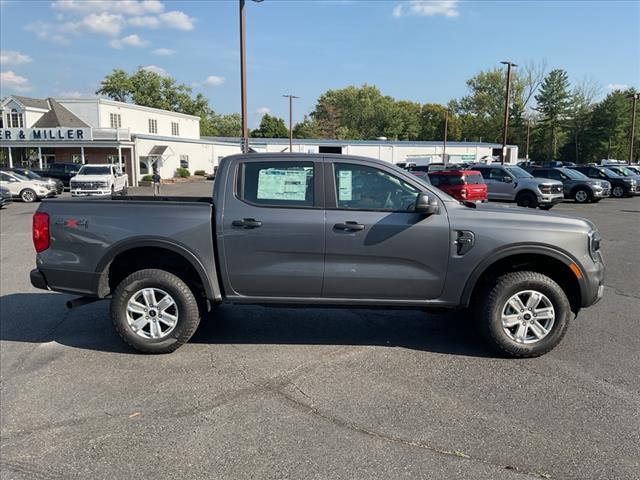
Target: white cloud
[[164, 52], [130, 41], [48, 32], [9, 80], [156, 69], [617, 86], [429, 8], [145, 21], [263, 110], [11, 57], [126, 7], [214, 80], [103, 23], [177, 19]]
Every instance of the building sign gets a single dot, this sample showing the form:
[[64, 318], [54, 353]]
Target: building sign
[[58, 134]]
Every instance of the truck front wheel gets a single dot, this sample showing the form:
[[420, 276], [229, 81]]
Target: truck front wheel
[[524, 314], [154, 311]]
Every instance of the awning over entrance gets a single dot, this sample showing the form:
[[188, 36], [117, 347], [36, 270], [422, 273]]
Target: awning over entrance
[[158, 150]]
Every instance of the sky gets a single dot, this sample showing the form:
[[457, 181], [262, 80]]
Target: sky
[[422, 51]]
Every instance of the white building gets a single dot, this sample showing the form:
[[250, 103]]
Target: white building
[[36, 132]]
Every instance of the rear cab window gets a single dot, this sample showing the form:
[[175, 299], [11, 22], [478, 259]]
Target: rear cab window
[[276, 184]]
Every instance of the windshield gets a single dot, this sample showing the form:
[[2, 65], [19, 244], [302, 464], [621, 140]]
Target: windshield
[[19, 177], [518, 172], [87, 170], [611, 173], [573, 174], [625, 172], [30, 174]]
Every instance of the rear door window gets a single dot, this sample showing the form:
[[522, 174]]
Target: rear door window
[[474, 179], [276, 184]]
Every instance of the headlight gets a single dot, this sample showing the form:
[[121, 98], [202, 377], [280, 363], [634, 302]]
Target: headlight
[[545, 188], [594, 244]]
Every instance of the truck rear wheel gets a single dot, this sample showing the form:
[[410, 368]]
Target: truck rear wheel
[[524, 314], [154, 311]]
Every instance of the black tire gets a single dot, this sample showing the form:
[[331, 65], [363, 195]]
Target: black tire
[[527, 199], [123, 192], [583, 195], [28, 195], [495, 299], [188, 312], [619, 191]]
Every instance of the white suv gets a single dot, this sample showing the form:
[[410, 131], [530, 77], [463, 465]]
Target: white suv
[[28, 190], [98, 180]]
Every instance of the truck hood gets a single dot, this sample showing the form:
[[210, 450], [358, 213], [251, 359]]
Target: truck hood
[[538, 181], [513, 217], [90, 178]]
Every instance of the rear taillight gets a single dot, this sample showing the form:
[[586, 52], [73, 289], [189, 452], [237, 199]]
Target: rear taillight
[[40, 231]]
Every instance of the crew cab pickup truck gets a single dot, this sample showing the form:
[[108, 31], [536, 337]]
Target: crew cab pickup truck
[[314, 230], [98, 180]]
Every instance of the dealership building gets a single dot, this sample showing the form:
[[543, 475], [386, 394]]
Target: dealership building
[[37, 132]]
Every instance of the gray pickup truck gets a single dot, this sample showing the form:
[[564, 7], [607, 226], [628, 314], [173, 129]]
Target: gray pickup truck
[[310, 229]]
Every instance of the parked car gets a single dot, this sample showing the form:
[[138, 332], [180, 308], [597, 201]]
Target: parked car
[[576, 185], [620, 186], [98, 180], [282, 231], [25, 189], [625, 171], [634, 168], [55, 183], [510, 183], [5, 196], [61, 171], [424, 176], [460, 184]]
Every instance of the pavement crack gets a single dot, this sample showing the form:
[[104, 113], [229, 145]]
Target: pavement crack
[[622, 294]]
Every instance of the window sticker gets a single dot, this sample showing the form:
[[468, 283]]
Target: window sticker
[[276, 184], [345, 188]]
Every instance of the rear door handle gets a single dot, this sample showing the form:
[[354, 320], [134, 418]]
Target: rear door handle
[[349, 226], [247, 223]]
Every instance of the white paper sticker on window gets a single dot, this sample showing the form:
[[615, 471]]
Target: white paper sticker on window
[[344, 185], [275, 184]]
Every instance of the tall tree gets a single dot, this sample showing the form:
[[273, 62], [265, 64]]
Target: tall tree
[[306, 129], [553, 105], [271, 127], [229, 125], [580, 110]]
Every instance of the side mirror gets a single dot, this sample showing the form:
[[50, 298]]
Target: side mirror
[[507, 179], [426, 205]]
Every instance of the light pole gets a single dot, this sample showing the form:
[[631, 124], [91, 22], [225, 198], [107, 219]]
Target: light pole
[[634, 98], [243, 79], [290, 97], [444, 146], [528, 130], [505, 124]]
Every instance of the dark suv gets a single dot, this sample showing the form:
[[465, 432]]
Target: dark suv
[[620, 186], [61, 171], [576, 185]]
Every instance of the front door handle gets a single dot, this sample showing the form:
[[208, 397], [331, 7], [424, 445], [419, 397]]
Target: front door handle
[[349, 226], [247, 223]]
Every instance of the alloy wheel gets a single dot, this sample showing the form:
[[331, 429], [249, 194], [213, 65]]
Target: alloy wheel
[[581, 196], [152, 313], [618, 191], [528, 317]]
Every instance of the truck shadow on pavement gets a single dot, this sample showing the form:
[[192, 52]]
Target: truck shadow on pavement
[[42, 317]]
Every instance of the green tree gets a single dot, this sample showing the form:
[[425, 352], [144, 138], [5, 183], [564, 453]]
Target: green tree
[[306, 129], [409, 114], [117, 86], [271, 127], [553, 102], [581, 104], [229, 125]]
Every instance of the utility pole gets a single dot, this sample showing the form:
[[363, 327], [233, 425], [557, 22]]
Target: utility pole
[[528, 130], [444, 147], [243, 79], [290, 97], [505, 124], [634, 98]]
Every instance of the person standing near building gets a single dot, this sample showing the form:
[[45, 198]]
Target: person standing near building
[[157, 181]]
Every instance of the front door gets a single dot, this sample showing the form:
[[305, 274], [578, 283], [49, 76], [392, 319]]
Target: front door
[[377, 247], [273, 229], [499, 183]]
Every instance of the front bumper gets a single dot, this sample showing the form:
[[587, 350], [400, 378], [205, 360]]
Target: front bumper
[[602, 193], [550, 199], [592, 287], [5, 201], [87, 193]]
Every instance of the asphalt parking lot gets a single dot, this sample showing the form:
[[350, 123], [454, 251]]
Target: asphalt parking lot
[[317, 393]]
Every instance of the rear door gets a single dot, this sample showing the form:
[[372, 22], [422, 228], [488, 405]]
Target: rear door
[[273, 228], [376, 246]]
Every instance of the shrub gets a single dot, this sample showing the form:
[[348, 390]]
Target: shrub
[[200, 173], [182, 172], [147, 178]]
